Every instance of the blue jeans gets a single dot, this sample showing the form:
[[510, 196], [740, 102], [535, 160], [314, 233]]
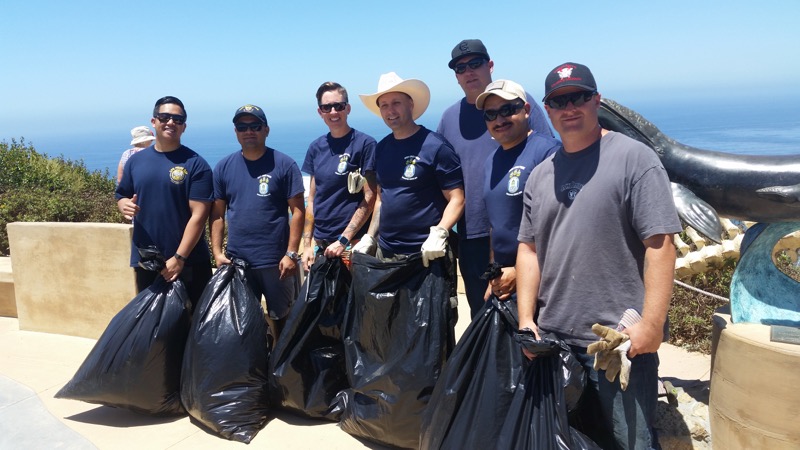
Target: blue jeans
[[473, 258], [617, 419]]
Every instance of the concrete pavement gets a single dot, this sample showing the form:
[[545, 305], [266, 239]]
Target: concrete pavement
[[34, 366]]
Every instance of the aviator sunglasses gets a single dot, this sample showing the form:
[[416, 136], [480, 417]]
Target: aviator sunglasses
[[509, 109], [242, 127], [338, 106], [165, 117], [473, 64], [576, 98]]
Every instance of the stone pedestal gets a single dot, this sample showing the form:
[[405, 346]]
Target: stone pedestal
[[755, 388]]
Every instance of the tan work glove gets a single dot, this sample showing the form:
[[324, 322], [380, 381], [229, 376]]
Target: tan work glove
[[355, 182], [611, 354], [435, 246]]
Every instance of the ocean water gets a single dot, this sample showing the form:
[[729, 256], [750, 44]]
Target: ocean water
[[741, 127]]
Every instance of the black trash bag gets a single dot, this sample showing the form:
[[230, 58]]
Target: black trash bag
[[476, 387], [537, 418], [571, 369], [307, 364], [136, 363], [398, 333], [224, 378]]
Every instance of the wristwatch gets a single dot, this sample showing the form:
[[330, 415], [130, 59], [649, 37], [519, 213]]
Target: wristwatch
[[180, 257], [293, 255], [343, 240]]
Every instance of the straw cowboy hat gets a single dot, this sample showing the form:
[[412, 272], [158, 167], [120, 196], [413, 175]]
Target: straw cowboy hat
[[141, 134], [391, 82]]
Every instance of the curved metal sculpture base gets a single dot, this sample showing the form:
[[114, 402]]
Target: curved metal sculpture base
[[760, 292]]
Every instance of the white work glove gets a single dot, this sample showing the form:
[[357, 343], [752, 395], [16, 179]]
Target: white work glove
[[366, 245], [611, 354], [434, 246], [355, 182]]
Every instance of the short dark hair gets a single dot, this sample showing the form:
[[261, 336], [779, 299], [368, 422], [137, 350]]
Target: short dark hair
[[166, 100], [331, 86]]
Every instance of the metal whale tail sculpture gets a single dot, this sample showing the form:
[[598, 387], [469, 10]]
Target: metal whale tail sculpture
[[706, 183]]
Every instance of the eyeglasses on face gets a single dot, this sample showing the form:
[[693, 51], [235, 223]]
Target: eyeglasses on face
[[509, 109], [165, 118], [576, 98], [338, 106], [243, 127], [473, 64]]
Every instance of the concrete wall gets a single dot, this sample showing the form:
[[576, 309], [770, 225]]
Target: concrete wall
[[8, 302], [70, 278]]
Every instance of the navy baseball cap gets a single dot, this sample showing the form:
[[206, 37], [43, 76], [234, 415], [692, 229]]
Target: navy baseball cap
[[252, 110]]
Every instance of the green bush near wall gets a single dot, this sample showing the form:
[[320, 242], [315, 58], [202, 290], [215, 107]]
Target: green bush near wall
[[36, 188]]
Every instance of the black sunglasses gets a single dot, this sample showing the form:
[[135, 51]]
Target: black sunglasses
[[242, 127], [473, 64], [338, 106], [165, 118], [576, 98], [509, 109]]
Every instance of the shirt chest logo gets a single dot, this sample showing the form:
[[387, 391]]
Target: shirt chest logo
[[177, 174], [572, 189], [263, 185], [410, 172], [513, 187], [341, 169]]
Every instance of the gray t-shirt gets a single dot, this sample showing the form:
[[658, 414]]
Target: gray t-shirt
[[588, 213]]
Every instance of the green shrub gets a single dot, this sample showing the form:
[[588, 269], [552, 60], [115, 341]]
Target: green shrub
[[35, 188]]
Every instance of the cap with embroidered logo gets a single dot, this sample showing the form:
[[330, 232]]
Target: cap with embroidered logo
[[569, 74], [465, 48], [252, 110]]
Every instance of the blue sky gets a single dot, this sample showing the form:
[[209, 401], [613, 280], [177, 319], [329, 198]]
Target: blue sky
[[73, 67]]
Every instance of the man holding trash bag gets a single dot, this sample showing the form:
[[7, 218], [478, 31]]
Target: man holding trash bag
[[168, 188], [254, 190], [419, 176], [595, 240]]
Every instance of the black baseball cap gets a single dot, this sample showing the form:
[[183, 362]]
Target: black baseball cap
[[569, 74], [465, 48], [252, 110]]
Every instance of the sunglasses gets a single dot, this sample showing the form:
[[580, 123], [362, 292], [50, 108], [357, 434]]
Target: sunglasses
[[473, 64], [165, 118], [576, 98], [243, 127], [509, 109], [339, 106]]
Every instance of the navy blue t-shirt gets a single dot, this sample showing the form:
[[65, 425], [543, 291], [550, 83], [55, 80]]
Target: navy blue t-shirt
[[412, 174], [329, 160], [257, 193], [507, 172], [463, 126], [164, 183]]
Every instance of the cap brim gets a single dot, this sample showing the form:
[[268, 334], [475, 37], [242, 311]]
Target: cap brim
[[452, 63], [416, 89], [502, 94], [582, 86]]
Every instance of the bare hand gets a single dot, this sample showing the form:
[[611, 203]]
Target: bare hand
[[287, 267], [506, 284], [535, 329], [172, 269], [128, 207], [334, 250], [645, 338], [309, 256], [221, 260]]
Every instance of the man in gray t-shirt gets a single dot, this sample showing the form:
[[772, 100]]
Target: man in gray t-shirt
[[595, 240]]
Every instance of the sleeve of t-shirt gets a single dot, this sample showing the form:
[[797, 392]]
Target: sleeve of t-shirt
[[308, 163], [652, 208], [368, 157], [202, 184], [448, 168], [294, 181], [125, 186], [219, 186], [525, 229]]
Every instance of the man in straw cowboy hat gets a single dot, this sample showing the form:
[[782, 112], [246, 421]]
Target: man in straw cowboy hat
[[463, 126], [420, 186], [141, 138]]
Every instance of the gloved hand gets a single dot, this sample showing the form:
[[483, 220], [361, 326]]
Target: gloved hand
[[366, 245], [611, 354], [434, 246], [355, 181]]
